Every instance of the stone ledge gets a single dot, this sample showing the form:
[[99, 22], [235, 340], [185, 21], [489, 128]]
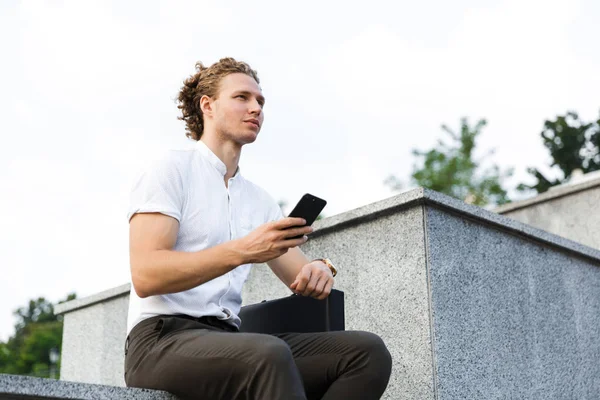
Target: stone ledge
[[73, 305], [13, 387], [507, 224], [418, 196], [422, 196], [555, 193]]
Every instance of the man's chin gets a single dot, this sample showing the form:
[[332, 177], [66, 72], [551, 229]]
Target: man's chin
[[248, 138]]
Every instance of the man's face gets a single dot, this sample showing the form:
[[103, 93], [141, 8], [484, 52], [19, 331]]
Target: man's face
[[238, 111]]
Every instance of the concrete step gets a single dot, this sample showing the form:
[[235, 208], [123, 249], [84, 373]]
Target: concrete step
[[16, 387]]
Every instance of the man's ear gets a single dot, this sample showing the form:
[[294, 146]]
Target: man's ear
[[206, 106]]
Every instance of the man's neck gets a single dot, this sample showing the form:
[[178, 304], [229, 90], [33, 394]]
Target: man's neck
[[229, 152]]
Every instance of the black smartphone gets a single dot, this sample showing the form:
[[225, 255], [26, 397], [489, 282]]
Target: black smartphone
[[309, 207]]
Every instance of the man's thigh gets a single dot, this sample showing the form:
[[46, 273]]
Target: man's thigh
[[190, 359], [322, 357]]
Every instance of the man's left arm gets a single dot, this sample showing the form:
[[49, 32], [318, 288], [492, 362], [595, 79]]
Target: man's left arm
[[302, 276]]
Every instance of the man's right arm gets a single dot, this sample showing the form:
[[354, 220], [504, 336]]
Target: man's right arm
[[158, 269]]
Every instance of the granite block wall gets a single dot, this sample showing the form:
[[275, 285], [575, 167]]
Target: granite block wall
[[512, 318], [570, 211], [471, 304]]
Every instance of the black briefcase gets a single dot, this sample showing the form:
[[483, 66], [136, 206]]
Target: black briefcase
[[295, 314]]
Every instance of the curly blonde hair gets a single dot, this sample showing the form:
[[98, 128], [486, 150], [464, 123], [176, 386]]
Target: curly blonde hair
[[206, 81]]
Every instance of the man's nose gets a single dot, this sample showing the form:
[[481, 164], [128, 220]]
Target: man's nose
[[255, 107]]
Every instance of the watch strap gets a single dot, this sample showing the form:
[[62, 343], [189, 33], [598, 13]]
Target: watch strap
[[329, 264]]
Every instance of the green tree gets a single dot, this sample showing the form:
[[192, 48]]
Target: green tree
[[37, 331], [573, 144], [452, 170]]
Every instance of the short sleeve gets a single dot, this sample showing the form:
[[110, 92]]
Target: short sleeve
[[158, 189]]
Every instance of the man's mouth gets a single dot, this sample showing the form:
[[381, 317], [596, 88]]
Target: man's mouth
[[253, 122]]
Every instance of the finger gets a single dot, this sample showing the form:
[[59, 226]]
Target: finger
[[320, 287], [327, 290], [292, 232], [294, 242], [294, 285], [303, 279], [289, 222], [311, 288]]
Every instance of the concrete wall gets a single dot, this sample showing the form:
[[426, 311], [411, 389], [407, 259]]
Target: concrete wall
[[16, 387], [470, 303], [570, 211], [513, 319], [383, 277], [94, 333]]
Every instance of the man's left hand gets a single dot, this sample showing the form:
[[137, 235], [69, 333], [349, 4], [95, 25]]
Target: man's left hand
[[314, 280]]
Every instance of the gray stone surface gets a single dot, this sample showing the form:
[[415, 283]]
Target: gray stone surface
[[471, 303], [24, 387], [570, 211], [507, 224], [383, 278], [84, 302], [512, 318], [93, 341]]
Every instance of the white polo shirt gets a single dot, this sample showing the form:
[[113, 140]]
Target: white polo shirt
[[189, 186]]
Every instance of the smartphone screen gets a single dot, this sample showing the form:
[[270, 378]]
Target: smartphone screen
[[309, 207]]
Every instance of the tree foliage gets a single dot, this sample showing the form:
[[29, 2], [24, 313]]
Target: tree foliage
[[37, 331], [451, 169], [573, 144]]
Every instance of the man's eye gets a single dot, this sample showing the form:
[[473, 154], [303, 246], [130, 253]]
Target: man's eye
[[241, 96]]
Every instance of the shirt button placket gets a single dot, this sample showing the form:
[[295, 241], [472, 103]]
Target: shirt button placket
[[231, 235]]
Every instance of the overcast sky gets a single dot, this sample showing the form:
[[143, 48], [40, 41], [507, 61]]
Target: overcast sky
[[88, 88]]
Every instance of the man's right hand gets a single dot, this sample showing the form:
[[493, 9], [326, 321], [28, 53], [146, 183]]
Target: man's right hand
[[272, 240]]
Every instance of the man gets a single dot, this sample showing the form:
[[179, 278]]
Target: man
[[196, 227]]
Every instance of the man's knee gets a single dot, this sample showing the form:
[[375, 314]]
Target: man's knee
[[272, 351], [375, 350]]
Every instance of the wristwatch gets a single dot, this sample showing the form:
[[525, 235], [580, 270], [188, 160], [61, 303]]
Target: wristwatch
[[329, 264]]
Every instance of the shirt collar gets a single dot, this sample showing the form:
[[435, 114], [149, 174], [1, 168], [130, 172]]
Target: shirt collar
[[213, 159]]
